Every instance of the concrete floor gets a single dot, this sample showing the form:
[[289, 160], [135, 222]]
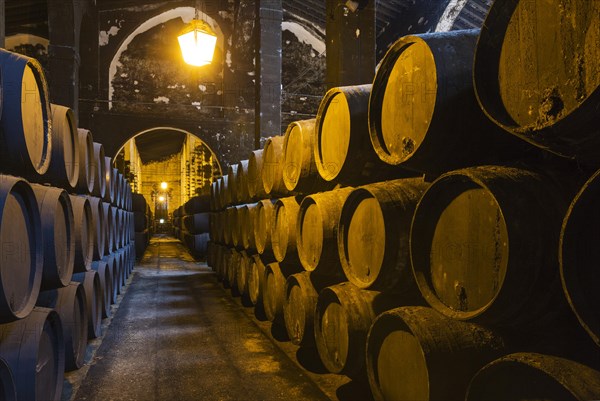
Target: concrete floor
[[177, 335]]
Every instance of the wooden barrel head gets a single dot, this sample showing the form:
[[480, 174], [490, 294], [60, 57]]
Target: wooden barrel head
[[459, 247], [333, 135], [272, 175], [255, 182], [262, 227], [255, 280], [280, 232], [273, 293], [293, 156], [333, 332], [64, 163], [530, 376], [310, 238], [295, 313], [408, 103], [363, 241], [21, 238]]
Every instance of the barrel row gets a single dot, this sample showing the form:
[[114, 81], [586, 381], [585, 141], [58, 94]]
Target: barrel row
[[143, 224], [191, 225]]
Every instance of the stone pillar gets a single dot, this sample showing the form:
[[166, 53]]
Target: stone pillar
[[267, 111]]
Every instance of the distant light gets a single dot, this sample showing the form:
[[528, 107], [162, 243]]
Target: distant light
[[161, 221], [197, 42], [163, 185], [161, 198]]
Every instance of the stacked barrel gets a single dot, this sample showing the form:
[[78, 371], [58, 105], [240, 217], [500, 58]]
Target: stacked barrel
[[64, 233], [193, 225], [143, 224], [413, 237]]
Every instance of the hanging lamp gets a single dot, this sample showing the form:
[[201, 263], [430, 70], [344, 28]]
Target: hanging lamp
[[197, 41]]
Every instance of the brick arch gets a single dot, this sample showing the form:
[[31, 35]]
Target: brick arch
[[167, 128]]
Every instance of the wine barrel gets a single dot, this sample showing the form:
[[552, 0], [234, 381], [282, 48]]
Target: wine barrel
[[256, 281], [415, 353], [579, 253], [300, 300], [122, 194], [58, 235], [544, 91], [117, 193], [241, 184], [263, 222], [26, 129], [531, 376], [111, 266], [373, 236], [84, 233], [215, 204], [222, 263], [121, 268], [300, 172], [235, 218], [412, 112], [242, 273], [93, 297], [480, 252], [233, 263], [87, 172], [224, 192], [197, 223], [283, 231], [70, 304], [141, 242], [99, 189], [109, 193], [21, 265], [272, 168], [106, 282], [343, 315], [98, 222], [108, 225], [200, 246], [8, 391], [139, 205], [197, 204], [229, 227], [247, 228], [317, 231], [232, 172], [273, 293], [116, 228], [342, 148], [64, 160], [256, 189], [34, 349]]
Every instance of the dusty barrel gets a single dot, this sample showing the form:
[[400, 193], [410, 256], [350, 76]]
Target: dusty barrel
[[70, 304], [109, 193], [58, 235], [415, 353], [99, 189], [343, 315], [93, 298], [108, 226], [8, 391], [34, 349], [247, 226], [87, 172], [256, 189], [374, 231], [579, 254], [242, 272], [272, 168], [256, 284], [552, 98], [283, 231], [21, 236], [241, 183], [106, 282], [273, 293], [26, 129], [300, 172], [197, 223], [480, 252], [342, 148], [412, 112], [111, 266], [84, 233], [232, 173], [300, 300], [532, 376], [317, 231], [99, 224], [64, 161], [264, 218]]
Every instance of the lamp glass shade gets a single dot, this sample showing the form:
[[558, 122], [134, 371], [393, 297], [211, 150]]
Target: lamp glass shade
[[197, 42]]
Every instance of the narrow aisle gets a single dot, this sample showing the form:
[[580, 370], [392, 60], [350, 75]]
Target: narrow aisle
[[177, 336]]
